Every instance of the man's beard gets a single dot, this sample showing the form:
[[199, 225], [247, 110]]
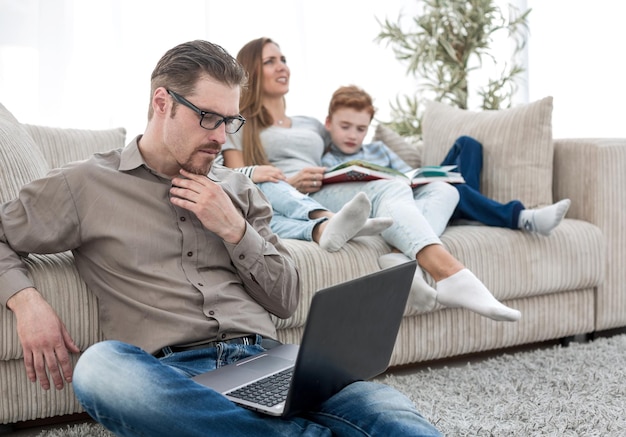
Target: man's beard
[[199, 169]]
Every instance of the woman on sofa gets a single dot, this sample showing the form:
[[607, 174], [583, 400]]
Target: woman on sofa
[[296, 144]]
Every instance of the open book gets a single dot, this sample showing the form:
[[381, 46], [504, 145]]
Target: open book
[[361, 171]]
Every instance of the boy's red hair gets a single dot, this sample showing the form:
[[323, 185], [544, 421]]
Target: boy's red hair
[[351, 97]]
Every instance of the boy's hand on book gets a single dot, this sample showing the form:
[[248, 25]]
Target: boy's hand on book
[[308, 180], [267, 173]]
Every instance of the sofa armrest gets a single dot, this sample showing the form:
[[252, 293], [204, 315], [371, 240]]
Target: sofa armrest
[[592, 173]]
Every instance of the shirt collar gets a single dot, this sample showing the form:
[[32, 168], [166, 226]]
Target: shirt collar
[[131, 157]]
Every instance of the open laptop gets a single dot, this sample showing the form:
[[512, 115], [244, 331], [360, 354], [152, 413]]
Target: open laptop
[[349, 336]]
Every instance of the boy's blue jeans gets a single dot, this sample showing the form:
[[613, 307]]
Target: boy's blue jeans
[[133, 393], [467, 155]]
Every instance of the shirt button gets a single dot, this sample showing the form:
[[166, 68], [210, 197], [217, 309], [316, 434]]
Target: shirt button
[[242, 256], [189, 253], [211, 313], [200, 284], [182, 219], [223, 336]]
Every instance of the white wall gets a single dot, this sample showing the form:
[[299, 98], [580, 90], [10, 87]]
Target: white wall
[[576, 55], [86, 63]]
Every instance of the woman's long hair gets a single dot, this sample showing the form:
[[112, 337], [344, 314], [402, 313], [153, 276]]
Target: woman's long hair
[[251, 103]]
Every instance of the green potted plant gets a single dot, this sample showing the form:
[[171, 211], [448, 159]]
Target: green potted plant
[[446, 41]]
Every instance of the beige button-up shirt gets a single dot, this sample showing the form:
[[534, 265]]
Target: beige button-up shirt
[[161, 278]]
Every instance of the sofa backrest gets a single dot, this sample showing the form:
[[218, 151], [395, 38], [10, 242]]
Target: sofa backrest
[[21, 160], [60, 146], [28, 152]]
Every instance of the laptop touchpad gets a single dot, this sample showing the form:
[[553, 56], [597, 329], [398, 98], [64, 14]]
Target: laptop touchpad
[[229, 377]]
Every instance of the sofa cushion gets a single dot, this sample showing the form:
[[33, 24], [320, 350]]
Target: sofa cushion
[[516, 265], [21, 161], [517, 147], [513, 265], [60, 146]]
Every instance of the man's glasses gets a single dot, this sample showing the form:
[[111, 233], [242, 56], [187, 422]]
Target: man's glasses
[[211, 120]]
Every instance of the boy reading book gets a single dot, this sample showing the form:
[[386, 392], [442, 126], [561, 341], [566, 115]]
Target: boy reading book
[[349, 116]]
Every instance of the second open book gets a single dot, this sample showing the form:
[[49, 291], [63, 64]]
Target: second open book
[[359, 171]]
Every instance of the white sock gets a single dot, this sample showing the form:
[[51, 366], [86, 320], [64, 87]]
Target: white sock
[[345, 224], [465, 290], [374, 226], [543, 220], [422, 296]]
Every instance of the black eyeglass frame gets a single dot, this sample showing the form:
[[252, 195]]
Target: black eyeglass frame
[[226, 120]]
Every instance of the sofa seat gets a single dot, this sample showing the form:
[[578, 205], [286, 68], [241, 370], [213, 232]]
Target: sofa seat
[[525, 271]]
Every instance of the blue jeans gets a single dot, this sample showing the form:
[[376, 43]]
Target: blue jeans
[[419, 215], [133, 393], [291, 211], [467, 155]]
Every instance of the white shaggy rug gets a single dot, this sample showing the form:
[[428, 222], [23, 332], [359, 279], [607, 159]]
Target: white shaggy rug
[[578, 390]]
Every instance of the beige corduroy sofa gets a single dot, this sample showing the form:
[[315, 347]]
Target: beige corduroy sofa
[[566, 284]]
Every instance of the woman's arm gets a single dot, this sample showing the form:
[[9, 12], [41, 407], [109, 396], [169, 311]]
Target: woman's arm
[[259, 173], [308, 180], [233, 158]]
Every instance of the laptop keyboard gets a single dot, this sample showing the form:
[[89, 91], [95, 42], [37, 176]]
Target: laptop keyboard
[[268, 391]]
